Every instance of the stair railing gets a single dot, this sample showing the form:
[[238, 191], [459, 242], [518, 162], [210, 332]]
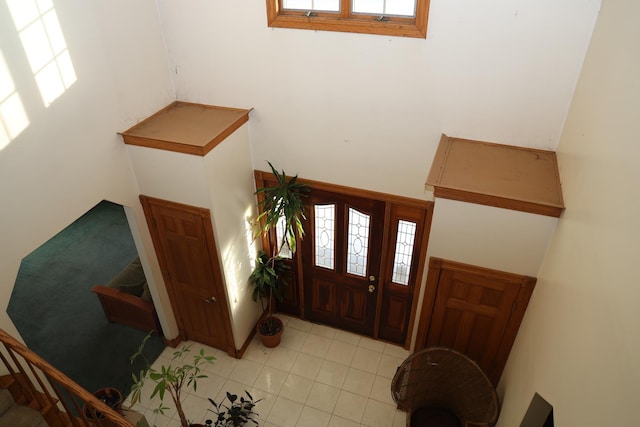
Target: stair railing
[[61, 401]]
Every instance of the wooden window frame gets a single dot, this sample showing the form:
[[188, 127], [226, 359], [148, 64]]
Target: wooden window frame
[[346, 21]]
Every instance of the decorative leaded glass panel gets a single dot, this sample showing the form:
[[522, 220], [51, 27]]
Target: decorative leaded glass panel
[[325, 226], [358, 243], [404, 252], [285, 251]]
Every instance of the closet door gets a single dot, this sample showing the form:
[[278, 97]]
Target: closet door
[[474, 310], [184, 242]]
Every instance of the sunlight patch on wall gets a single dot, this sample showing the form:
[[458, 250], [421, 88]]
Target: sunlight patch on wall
[[13, 117], [250, 229], [44, 44]]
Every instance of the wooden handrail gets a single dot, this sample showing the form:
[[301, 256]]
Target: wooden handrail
[[34, 382]]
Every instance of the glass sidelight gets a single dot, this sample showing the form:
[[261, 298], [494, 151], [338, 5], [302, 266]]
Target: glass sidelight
[[403, 255]]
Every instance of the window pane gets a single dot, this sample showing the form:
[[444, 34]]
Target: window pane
[[325, 231], [285, 251], [404, 252], [322, 5], [400, 7], [297, 4], [327, 5], [368, 6], [358, 243], [385, 7]]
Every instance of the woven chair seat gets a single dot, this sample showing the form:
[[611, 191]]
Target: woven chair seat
[[438, 386]]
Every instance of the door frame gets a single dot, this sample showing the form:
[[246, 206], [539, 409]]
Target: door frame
[[219, 282], [263, 178]]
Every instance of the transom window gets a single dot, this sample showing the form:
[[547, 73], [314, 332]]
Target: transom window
[[406, 8], [405, 18]]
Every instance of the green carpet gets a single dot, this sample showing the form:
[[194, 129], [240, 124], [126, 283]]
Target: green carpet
[[61, 319]]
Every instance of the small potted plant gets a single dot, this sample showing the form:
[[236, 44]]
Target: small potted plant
[[281, 206], [171, 379], [235, 413], [109, 396]]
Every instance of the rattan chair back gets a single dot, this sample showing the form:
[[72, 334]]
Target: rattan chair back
[[442, 378]]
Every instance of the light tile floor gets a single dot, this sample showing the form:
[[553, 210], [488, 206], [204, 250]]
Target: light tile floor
[[317, 376]]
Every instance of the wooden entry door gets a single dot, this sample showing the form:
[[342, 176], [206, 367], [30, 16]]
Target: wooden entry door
[[341, 259], [474, 310], [184, 242]]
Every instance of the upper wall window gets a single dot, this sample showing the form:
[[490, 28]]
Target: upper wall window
[[404, 18]]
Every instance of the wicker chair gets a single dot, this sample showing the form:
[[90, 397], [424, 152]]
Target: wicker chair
[[441, 387]]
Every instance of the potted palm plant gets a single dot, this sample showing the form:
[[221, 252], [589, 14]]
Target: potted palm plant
[[281, 206], [170, 379]]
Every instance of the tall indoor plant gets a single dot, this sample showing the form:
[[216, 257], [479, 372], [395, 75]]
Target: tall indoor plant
[[171, 379], [281, 206]]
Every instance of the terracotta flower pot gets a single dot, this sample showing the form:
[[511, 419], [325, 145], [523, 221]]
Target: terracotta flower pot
[[110, 396], [270, 338]]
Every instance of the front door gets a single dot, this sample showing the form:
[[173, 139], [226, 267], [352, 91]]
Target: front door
[[341, 259], [183, 239]]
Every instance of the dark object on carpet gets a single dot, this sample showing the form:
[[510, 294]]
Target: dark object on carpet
[[59, 317], [126, 299], [443, 379]]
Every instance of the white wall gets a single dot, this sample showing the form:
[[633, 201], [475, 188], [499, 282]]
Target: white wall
[[490, 237], [579, 344], [367, 111], [231, 185], [168, 175], [69, 157]]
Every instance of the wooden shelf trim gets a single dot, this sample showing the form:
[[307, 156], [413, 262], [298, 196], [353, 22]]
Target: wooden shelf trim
[[187, 128], [504, 176]]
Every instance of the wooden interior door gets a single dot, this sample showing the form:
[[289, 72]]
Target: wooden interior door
[[184, 242], [341, 258], [474, 310]]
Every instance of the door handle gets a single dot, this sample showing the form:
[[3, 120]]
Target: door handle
[[210, 300], [372, 288]]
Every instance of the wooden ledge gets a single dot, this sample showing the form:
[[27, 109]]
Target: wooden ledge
[[505, 176], [186, 127]]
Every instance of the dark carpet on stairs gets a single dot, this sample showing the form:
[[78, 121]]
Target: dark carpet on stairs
[[61, 319]]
